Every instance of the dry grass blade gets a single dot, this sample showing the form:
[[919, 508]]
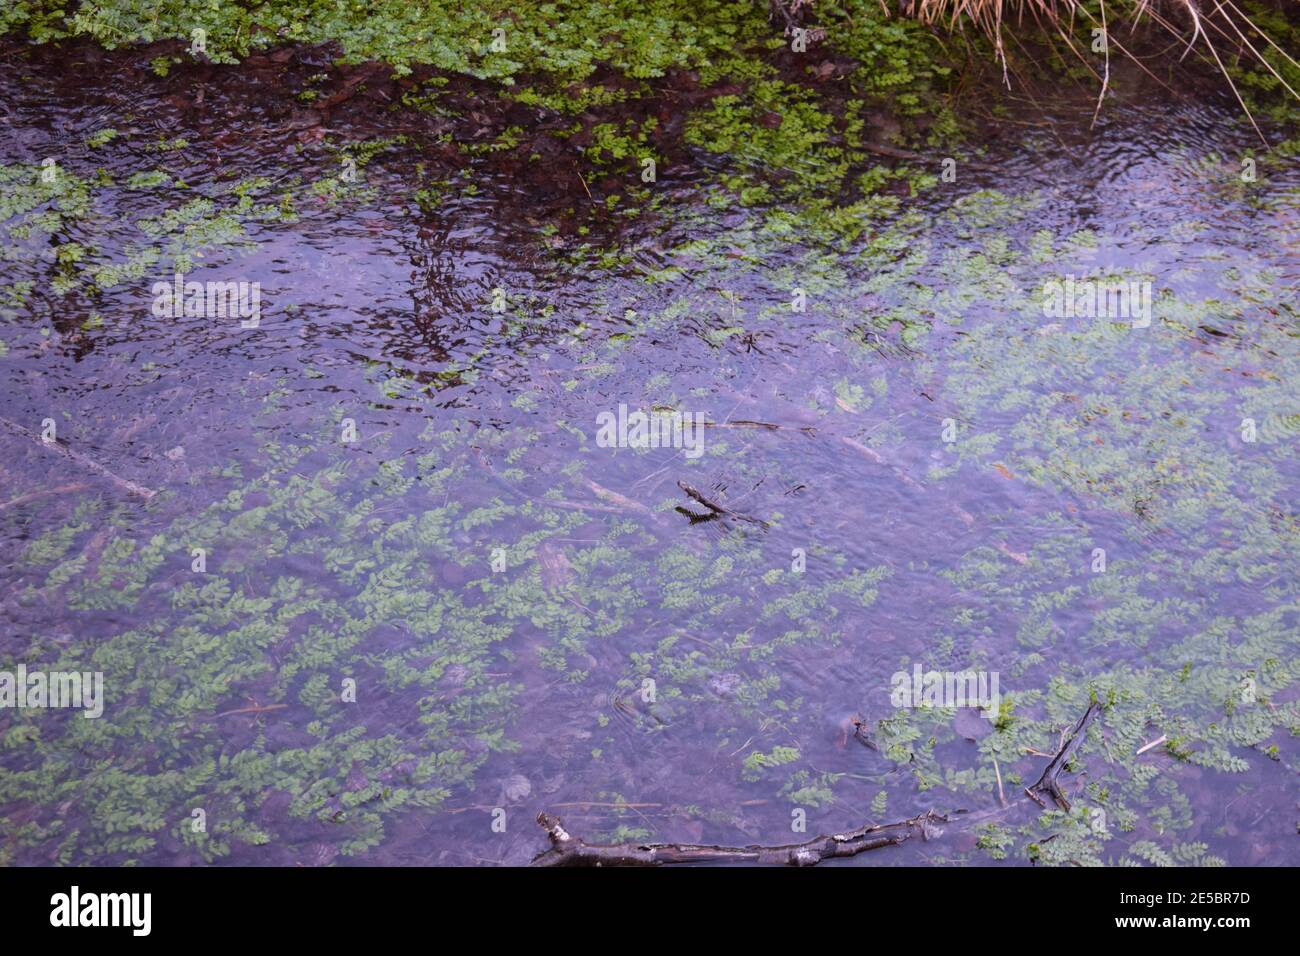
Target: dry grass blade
[[988, 17]]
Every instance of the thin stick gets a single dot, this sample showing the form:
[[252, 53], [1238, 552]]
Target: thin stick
[[770, 426], [583, 181], [614, 498], [568, 850], [1047, 782], [32, 496], [718, 509], [879, 459], [252, 709], [1155, 743], [1105, 80], [895, 153], [80, 459], [861, 735]]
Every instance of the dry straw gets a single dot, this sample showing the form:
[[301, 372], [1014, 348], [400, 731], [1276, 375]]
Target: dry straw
[[1205, 28]]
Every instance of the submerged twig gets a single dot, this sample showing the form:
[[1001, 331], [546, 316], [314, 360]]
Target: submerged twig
[[1155, 743], [43, 493], [861, 736], [879, 459], [251, 709], [568, 850], [1002, 797], [896, 153], [623, 501], [87, 463], [770, 426], [1047, 782], [718, 509]]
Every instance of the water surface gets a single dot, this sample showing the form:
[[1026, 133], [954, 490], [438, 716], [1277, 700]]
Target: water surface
[[483, 696]]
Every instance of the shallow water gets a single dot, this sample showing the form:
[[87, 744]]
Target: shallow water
[[484, 696]]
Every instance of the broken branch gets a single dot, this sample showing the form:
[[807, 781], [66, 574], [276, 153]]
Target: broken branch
[[770, 426], [879, 459], [568, 850], [80, 459], [1047, 783], [896, 153], [35, 495], [861, 734], [1155, 743], [252, 709], [613, 497], [716, 508]]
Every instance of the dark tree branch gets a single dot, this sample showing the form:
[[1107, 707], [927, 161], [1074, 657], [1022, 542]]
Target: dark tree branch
[[568, 850], [778, 8], [1047, 782], [86, 463], [861, 734], [716, 508]]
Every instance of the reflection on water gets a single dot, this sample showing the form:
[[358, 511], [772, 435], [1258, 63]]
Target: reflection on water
[[474, 607]]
